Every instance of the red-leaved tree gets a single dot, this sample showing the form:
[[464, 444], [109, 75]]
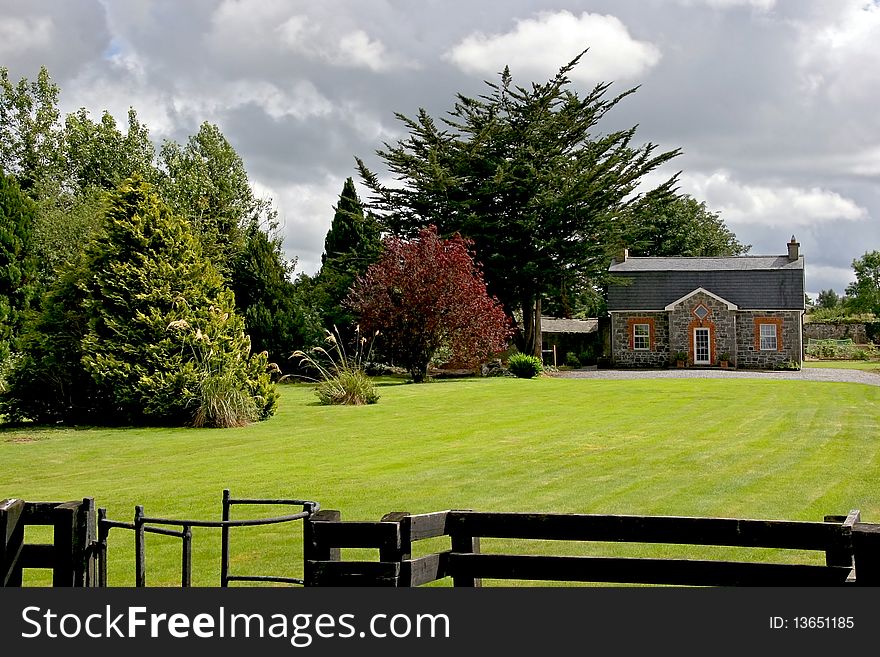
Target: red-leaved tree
[[425, 295]]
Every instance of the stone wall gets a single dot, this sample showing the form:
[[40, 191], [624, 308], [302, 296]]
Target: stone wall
[[823, 331], [624, 356], [720, 322], [748, 355]]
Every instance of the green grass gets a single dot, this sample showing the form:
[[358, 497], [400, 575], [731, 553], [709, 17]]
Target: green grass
[[741, 448], [866, 365]]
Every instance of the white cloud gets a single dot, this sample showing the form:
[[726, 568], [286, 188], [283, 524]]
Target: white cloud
[[19, 34], [257, 25], [835, 277], [838, 53], [300, 100], [539, 46], [359, 50], [305, 211], [783, 206], [760, 5]]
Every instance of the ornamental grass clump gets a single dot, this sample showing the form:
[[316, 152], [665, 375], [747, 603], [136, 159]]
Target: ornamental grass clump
[[524, 366], [341, 377]]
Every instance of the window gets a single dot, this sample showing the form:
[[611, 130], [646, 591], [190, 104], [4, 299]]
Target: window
[[768, 337], [641, 337]]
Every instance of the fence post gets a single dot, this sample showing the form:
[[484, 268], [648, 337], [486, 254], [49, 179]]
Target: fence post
[[404, 551], [103, 532], [224, 542], [186, 558], [866, 554], [842, 555], [11, 541], [464, 543], [140, 565], [84, 544], [312, 550], [66, 548]]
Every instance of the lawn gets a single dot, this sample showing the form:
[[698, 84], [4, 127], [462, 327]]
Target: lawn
[[866, 365], [743, 448]]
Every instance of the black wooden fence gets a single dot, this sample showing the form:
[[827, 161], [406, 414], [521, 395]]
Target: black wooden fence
[[78, 553], [851, 550], [71, 555]]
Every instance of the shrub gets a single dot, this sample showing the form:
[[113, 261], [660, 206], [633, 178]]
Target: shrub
[[572, 360], [587, 356], [222, 403], [833, 350], [341, 378], [524, 366], [348, 386]]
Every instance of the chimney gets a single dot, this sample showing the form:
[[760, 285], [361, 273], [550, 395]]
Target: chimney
[[793, 248], [621, 255]]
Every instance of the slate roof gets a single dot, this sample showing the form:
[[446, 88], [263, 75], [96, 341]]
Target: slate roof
[[734, 263], [560, 325], [751, 282]]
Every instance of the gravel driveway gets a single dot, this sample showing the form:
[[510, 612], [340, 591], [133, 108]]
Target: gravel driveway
[[806, 374]]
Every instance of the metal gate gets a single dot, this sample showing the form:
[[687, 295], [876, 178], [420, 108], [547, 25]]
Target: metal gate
[[78, 554]]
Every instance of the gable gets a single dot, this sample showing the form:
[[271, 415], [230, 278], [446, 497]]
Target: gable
[[699, 290]]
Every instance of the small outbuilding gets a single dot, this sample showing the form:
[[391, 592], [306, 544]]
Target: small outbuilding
[[561, 336]]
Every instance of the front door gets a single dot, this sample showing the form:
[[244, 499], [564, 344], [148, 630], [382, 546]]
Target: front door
[[702, 355]]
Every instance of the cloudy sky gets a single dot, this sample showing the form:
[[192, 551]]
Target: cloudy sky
[[774, 102]]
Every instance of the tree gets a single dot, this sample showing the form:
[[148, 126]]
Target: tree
[[146, 327], [98, 154], [206, 182], [352, 244], [522, 173], [18, 265], [864, 292], [276, 319], [673, 225], [424, 295], [827, 299], [30, 134]]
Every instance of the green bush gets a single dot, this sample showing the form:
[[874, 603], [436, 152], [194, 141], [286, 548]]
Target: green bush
[[832, 350], [587, 356], [572, 360], [524, 366]]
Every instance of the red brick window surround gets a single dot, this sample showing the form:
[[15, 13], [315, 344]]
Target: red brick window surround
[[768, 334], [635, 328]]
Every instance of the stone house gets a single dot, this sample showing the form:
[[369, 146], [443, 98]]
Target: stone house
[[748, 308]]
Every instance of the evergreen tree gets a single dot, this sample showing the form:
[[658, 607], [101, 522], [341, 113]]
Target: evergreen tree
[[352, 244], [17, 262], [153, 336], [523, 173], [266, 297], [673, 225]]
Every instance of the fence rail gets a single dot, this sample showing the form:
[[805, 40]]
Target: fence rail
[[851, 549]]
